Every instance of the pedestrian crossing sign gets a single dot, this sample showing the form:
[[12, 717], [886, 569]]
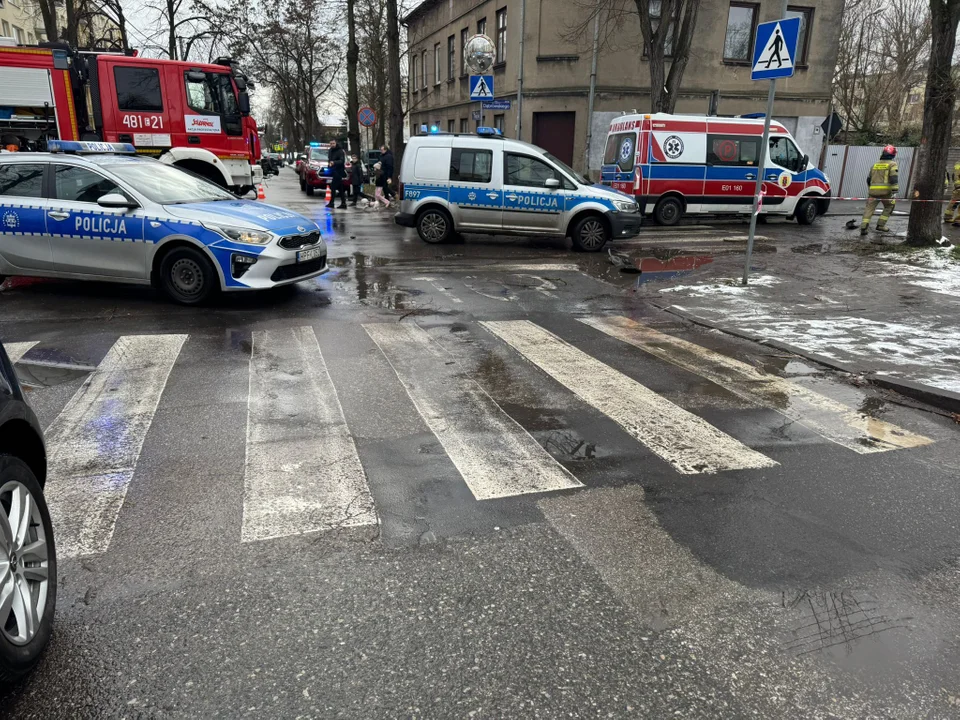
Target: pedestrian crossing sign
[[481, 87], [775, 49]]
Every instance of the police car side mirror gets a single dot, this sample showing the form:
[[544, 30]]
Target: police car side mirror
[[116, 200], [551, 183]]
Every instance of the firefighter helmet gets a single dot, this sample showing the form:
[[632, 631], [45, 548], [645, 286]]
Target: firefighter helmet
[[890, 150]]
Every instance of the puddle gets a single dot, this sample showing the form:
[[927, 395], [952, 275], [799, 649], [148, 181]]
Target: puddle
[[39, 374], [653, 269]]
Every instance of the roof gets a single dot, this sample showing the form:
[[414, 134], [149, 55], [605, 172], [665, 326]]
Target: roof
[[419, 10]]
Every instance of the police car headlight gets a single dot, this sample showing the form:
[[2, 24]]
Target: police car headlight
[[625, 205], [242, 235]]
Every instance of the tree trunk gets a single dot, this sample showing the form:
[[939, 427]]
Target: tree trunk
[[71, 34], [353, 56], [48, 12], [924, 225], [681, 55], [393, 73], [172, 34]]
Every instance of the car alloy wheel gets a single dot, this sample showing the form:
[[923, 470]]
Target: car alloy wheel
[[433, 227], [592, 234], [25, 558]]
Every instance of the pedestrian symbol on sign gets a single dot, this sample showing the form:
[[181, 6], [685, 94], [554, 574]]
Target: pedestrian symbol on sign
[[481, 87], [774, 57]]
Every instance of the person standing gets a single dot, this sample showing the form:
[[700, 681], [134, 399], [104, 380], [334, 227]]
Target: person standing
[[379, 195], [884, 184], [386, 164], [356, 180], [950, 213], [338, 173]]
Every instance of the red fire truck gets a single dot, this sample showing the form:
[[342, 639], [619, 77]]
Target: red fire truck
[[193, 115]]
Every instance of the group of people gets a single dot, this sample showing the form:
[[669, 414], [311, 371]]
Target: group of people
[[340, 184]]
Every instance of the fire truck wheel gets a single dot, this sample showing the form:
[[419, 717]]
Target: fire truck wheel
[[806, 212], [186, 276], [668, 211]]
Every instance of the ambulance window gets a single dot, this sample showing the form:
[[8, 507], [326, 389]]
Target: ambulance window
[[469, 165], [21, 180], [784, 153], [732, 150], [621, 150], [138, 89], [201, 98], [78, 184]]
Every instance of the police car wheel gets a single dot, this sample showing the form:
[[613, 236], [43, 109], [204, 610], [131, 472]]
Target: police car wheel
[[434, 226], [186, 276], [668, 211], [590, 234], [806, 212]]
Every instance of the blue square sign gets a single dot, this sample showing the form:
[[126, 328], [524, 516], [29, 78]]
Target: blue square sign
[[481, 87], [775, 49]]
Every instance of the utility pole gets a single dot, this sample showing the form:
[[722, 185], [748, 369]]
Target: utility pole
[[593, 88], [523, 15]]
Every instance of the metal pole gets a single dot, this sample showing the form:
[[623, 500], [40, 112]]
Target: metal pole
[[761, 168], [523, 13], [593, 88]]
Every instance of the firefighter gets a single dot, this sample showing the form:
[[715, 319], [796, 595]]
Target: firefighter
[[883, 186], [951, 211]]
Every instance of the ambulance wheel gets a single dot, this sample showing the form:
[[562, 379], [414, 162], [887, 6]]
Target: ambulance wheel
[[186, 276], [668, 211], [434, 226], [309, 189], [590, 234], [806, 212]]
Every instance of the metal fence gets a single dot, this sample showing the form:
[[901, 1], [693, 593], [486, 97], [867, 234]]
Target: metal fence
[[848, 167]]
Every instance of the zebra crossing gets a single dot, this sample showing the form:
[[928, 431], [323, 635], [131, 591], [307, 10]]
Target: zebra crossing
[[304, 470]]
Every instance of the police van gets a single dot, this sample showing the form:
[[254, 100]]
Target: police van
[[95, 211], [488, 184], [677, 164]]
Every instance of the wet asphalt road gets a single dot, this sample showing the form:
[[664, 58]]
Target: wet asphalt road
[[813, 581]]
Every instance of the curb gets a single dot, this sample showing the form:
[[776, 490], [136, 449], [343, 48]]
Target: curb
[[937, 397]]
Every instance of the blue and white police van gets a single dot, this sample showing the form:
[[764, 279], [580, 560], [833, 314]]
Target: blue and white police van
[[486, 183], [96, 211]]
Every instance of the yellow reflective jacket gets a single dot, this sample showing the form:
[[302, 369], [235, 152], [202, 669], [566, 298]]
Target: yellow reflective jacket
[[883, 178]]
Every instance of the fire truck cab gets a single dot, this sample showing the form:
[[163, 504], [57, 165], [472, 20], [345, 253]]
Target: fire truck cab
[[192, 115]]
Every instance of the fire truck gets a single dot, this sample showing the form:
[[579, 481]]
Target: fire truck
[[192, 115]]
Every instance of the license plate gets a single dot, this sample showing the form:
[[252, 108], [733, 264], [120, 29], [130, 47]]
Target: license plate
[[312, 254]]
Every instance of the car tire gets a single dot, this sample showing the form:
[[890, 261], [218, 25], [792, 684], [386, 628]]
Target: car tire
[[590, 234], [21, 648], [303, 185], [309, 189], [434, 226], [806, 212], [668, 211], [187, 277]]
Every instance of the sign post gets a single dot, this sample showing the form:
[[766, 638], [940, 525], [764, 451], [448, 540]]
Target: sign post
[[478, 55], [773, 54]]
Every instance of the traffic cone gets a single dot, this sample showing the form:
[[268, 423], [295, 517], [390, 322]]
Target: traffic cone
[[261, 195], [329, 196]]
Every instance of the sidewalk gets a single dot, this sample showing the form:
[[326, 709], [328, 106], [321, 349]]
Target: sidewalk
[[878, 311]]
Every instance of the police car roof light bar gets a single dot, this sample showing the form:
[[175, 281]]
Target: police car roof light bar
[[490, 132], [86, 147]]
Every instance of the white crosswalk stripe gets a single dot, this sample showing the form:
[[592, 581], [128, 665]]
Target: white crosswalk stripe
[[302, 472], [494, 454], [96, 440], [15, 351], [687, 442], [825, 416]]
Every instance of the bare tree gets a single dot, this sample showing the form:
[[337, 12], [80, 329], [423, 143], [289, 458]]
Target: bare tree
[[393, 74], [905, 27], [353, 56], [938, 105]]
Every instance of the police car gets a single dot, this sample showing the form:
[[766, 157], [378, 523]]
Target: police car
[[485, 183], [96, 211]]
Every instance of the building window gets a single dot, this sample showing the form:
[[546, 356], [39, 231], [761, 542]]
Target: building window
[[423, 69], [501, 35], [436, 63], [482, 26], [451, 56], [463, 125], [138, 89], [741, 25], [6, 28], [498, 122], [803, 38], [413, 73], [670, 40], [463, 55], [451, 126], [18, 34]]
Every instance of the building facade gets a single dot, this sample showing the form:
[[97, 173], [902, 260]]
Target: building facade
[[556, 70], [19, 19]]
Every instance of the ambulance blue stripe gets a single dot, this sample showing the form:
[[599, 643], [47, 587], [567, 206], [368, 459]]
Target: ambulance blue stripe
[[670, 171]]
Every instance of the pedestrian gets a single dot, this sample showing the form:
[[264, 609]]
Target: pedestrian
[[338, 173], [356, 180], [884, 184], [386, 162], [953, 208], [380, 193]]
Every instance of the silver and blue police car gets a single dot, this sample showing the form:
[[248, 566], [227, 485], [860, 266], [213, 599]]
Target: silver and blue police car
[[96, 211]]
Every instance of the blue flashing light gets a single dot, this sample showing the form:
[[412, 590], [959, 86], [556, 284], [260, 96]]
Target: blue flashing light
[[434, 129], [73, 146], [314, 144], [490, 132], [754, 116]]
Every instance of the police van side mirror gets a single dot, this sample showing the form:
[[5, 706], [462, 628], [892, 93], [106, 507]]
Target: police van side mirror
[[551, 183], [116, 200]]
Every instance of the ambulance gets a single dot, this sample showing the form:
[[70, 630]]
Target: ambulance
[[679, 165]]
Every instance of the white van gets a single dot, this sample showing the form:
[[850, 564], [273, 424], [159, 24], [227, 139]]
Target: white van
[[485, 183]]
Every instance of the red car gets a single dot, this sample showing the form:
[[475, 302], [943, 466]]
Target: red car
[[315, 170]]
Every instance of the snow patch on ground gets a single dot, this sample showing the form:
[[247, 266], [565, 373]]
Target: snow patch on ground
[[729, 286]]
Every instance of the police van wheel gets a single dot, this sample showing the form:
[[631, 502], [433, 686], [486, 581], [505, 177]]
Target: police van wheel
[[434, 226], [668, 211], [186, 276], [590, 234], [806, 212]]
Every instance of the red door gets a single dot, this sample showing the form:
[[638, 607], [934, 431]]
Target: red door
[[554, 132]]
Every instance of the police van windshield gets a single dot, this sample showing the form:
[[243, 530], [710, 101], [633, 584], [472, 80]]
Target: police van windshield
[[567, 169], [168, 185]]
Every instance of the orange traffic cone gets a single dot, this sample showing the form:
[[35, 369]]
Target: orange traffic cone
[[261, 195], [329, 196]]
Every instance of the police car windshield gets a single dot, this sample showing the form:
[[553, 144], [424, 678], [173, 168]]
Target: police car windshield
[[567, 169], [168, 185], [318, 154]]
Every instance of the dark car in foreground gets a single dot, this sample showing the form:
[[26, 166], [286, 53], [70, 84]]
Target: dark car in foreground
[[28, 562]]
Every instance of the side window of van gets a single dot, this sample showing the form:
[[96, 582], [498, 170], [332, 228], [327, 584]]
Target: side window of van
[[527, 171], [622, 150], [470, 165], [732, 150], [784, 153]]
